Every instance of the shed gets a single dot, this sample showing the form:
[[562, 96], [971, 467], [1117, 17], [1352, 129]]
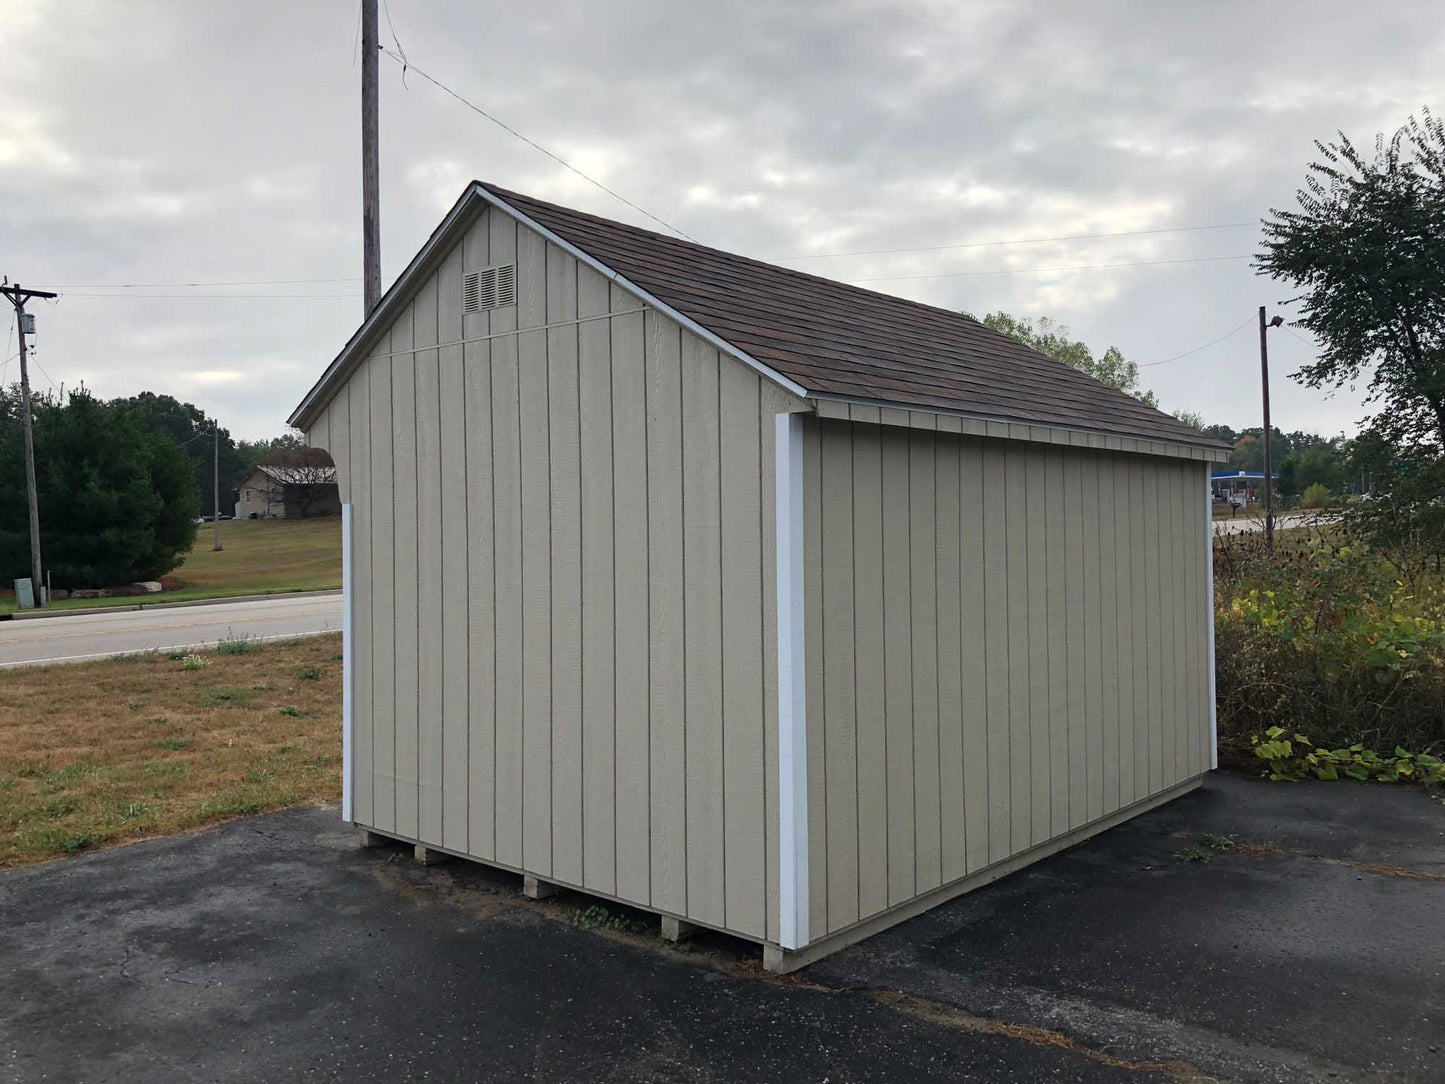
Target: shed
[[766, 603]]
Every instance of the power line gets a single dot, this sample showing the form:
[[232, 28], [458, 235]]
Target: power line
[[179, 285], [408, 65], [1017, 241], [215, 297], [1031, 270], [1165, 361]]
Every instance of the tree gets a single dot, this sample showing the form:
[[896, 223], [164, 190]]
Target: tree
[[310, 472], [1191, 418], [117, 503], [1052, 340], [252, 452], [1366, 250], [190, 427]]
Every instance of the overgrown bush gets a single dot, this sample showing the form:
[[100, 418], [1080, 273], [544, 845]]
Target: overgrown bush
[[1315, 495], [1321, 638]]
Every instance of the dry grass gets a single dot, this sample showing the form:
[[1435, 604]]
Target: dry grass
[[106, 752]]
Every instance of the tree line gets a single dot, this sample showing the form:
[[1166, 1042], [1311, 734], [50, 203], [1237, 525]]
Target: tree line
[[121, 483]]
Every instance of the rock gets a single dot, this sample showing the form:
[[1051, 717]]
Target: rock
[[94, 592], [149, 587]]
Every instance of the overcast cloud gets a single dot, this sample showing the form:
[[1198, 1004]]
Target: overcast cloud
[[165, 143]]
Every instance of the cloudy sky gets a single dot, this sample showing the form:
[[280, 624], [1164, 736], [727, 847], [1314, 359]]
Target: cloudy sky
[[153, 145]]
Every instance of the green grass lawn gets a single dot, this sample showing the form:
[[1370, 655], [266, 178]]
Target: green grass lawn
[[258, 556]]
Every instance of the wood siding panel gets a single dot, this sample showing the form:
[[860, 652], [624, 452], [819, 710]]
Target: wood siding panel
[[382, 589], [1016, 642], [630, 440], [481, 604], [923, 589], [996, 649], [404, 505], [454, 587], [949, 559], [702, 639], [667, 659], [814, 668], [363, 740], [1040, 717], [536, 582], [430, 722], [744, 643], [869, 640], [898, 666], [565, 520], [973, 615], [599, 628], [983, 687], [837, 650]]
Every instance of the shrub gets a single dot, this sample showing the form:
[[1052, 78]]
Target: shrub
[[1317, 638], [1315, 496]]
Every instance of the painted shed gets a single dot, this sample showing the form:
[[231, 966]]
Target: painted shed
[[764, 602]]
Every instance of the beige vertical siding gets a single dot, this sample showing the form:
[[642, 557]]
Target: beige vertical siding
[[976, 648], [565, 648]]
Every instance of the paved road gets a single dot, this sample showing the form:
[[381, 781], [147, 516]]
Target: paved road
[[88, 636], [1248, 523], [272, 949]]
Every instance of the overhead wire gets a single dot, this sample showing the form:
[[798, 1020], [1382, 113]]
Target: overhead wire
[[1030, 270], [1016, 241], [1197, 349], [406, 64]]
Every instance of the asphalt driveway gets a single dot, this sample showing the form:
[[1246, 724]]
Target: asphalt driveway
[[274, 949]]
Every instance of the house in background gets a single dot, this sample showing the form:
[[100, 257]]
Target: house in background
[[767, 603], [288, 492]]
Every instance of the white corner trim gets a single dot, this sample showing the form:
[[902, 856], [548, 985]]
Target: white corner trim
[[632, 287], [348, 661], [792, 685], [1209, 612]]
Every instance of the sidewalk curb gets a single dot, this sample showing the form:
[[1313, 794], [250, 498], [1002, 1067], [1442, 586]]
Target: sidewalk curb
[[82, 611]]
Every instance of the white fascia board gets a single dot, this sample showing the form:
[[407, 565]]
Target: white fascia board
[[348, 662], [792, 685], [632, 288], [1209, 610], [441, 237]]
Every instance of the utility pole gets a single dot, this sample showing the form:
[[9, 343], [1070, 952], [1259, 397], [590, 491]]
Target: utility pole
[[1264, 379], [370, 166], [215, 486], [18, 297]]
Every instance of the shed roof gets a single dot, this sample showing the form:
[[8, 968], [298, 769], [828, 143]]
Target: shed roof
[[825, 338]]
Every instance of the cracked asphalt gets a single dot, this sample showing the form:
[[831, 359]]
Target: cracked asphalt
[[274, 949]]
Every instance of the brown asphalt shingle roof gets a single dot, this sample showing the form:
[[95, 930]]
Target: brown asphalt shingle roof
[[840, 340]]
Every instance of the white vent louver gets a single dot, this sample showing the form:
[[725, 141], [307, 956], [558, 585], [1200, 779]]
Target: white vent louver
[[489, 288]]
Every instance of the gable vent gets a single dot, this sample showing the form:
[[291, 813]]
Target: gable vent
[[489, 288]]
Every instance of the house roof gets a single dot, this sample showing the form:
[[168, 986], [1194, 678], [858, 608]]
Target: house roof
[[818, 337], [293, 476]]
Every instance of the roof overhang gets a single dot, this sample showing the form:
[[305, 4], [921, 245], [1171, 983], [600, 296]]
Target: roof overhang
[[475, 197]]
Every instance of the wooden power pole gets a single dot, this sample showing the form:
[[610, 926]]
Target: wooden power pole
[[18, 297], [1264, 327], [215, 486], [370, 166]]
